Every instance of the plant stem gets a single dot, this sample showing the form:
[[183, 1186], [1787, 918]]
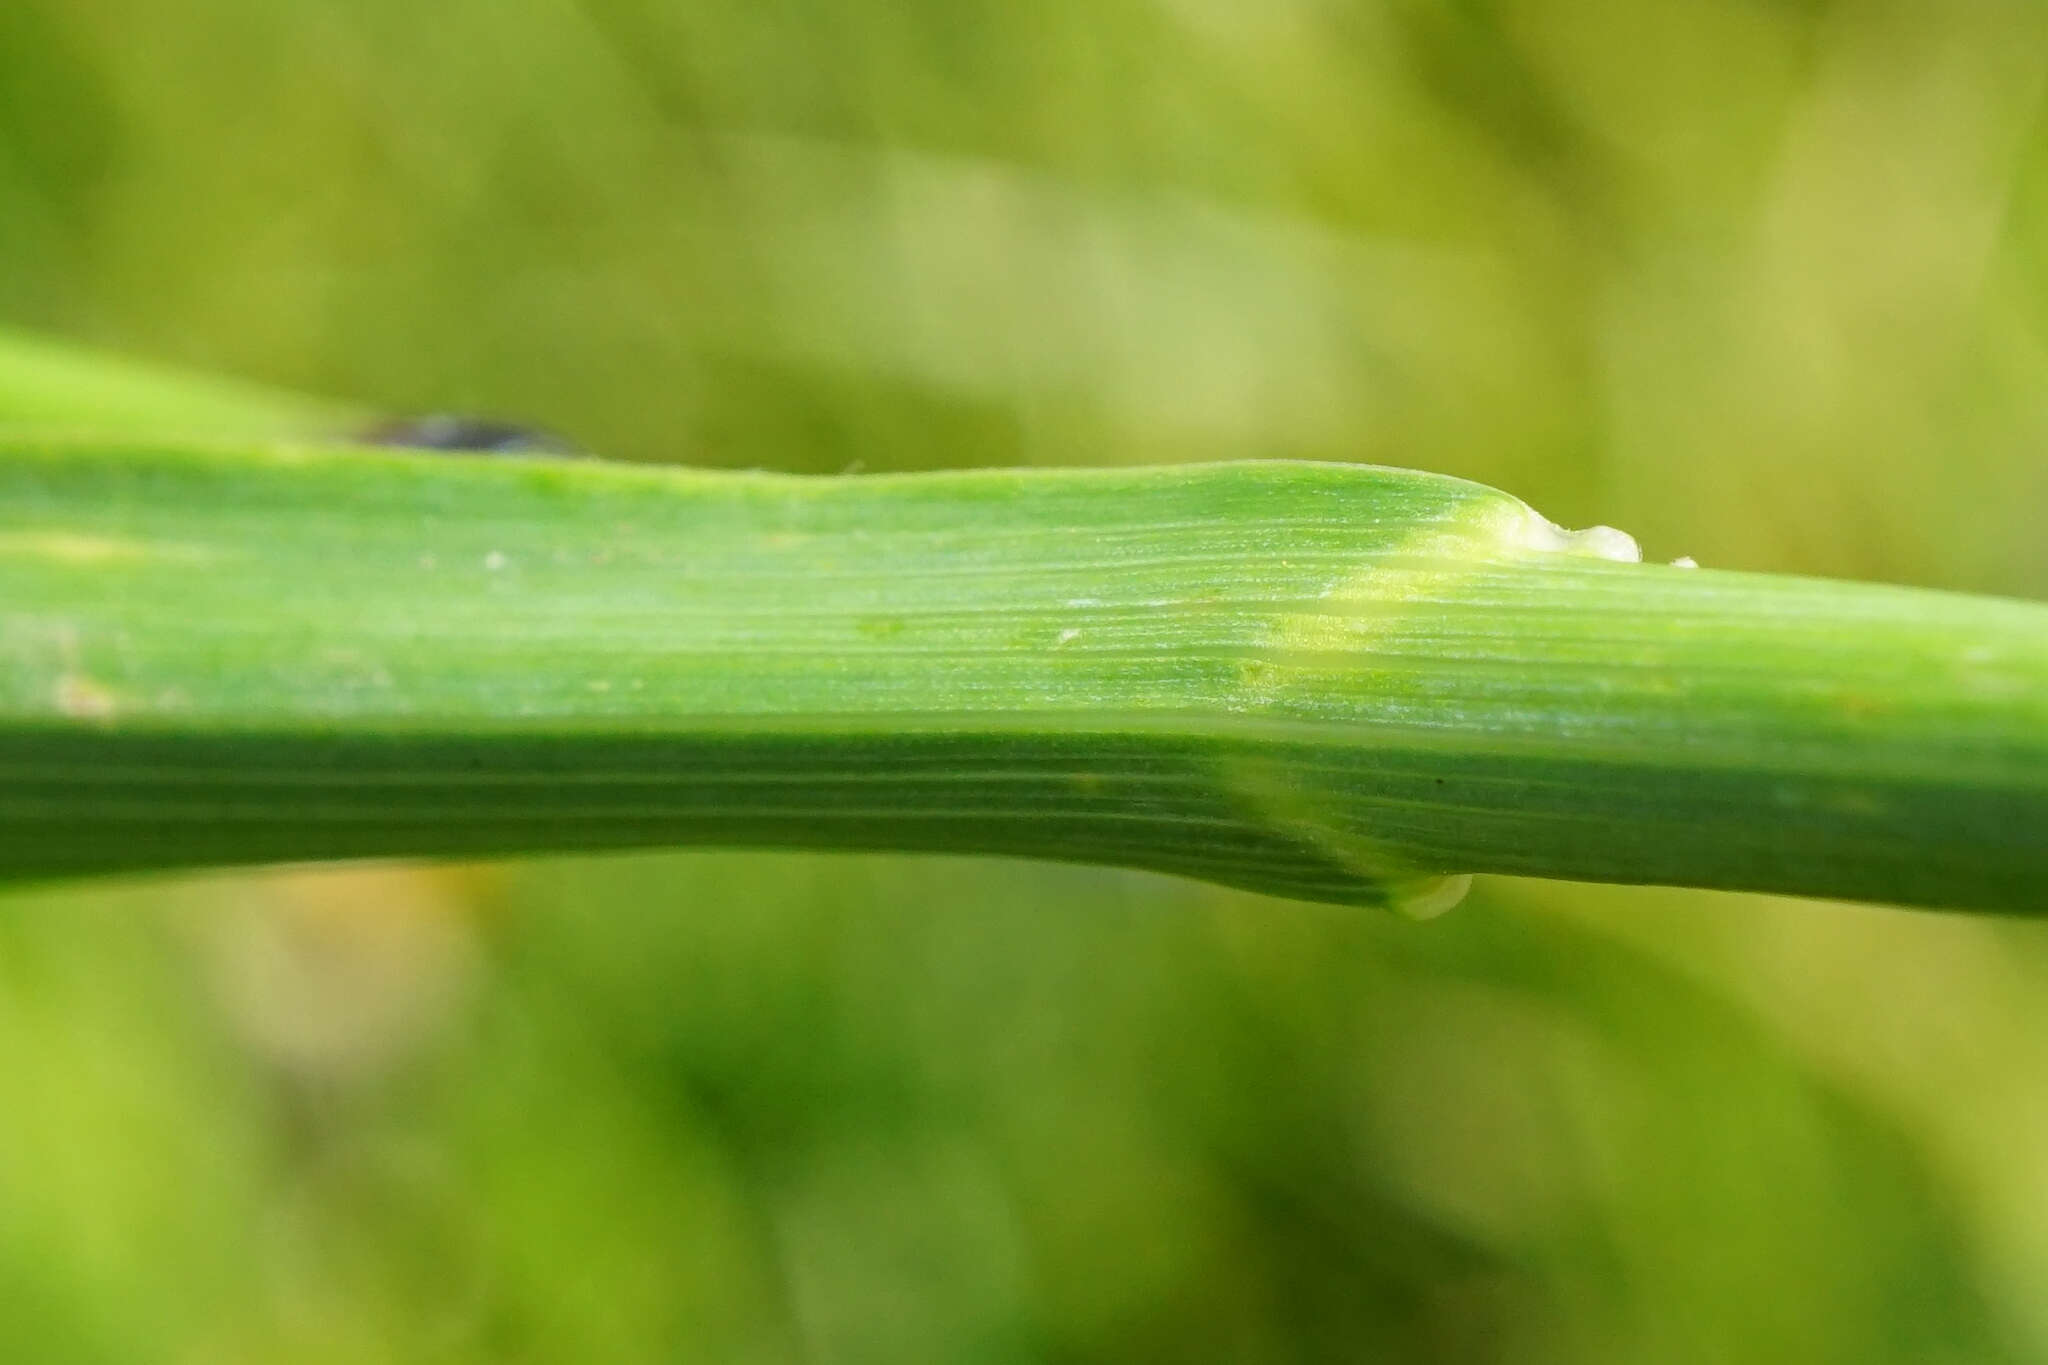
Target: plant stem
[[1333, 682]]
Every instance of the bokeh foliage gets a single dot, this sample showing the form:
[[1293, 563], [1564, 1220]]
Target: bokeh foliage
[[1760, 281]]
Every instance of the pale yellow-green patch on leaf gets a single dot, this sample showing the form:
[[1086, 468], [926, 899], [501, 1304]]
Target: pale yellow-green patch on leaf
[[78, 549], [82, 698]]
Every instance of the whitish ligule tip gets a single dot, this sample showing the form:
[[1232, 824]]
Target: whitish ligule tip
[[1430, 897], [1595, 542], [1604, 542]]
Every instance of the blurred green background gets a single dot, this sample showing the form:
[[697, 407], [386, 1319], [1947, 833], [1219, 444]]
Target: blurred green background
[[1762, 281]]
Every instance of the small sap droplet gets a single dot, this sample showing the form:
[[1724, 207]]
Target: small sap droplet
[[1685, 562]]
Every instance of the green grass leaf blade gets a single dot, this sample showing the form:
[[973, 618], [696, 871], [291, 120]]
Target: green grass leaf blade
[[1332, 682]]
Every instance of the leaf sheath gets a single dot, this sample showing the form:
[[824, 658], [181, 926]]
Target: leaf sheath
[[1332, 682]]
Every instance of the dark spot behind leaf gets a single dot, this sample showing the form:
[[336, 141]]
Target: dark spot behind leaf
[[469, 435]]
